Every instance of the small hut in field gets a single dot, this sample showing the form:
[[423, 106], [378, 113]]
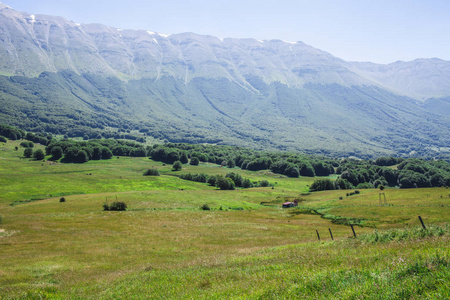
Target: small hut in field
[[290, 204]]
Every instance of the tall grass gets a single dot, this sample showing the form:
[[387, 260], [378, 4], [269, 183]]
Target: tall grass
[[404, 234]]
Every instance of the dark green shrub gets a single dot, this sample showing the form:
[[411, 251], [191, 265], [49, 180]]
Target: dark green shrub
[[224, 183], [115, 206], [247, 183], [212, 180], [2, 139], [237, 179], [151, 172], [322, 185], [177, 166], [194, 161], [62, 199], [118, 206], [205, 207], [26, 144], [38, 154], [28, 152], [56, 153], [264, 183]]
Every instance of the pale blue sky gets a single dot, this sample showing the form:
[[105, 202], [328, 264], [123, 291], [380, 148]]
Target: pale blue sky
[[380, 31]]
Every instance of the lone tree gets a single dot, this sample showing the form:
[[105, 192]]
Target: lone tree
[[57, 152], [28, 152], [194, 161], [177, 165], [225, 183], [38, 154]]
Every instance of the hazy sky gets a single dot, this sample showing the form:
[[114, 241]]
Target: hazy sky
[[381, 31]]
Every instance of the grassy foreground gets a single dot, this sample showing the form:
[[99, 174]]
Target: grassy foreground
[[164, 246]]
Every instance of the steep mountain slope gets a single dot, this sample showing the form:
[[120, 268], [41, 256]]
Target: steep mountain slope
[[65, 77], [421, 78]]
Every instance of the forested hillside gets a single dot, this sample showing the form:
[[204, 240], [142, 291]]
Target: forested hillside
[[61, 77]]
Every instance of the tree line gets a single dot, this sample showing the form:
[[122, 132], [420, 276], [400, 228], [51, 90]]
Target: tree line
[[230, 181], [350, 173]]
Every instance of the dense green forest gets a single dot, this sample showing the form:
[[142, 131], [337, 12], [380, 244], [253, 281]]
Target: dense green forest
[[168, 110], [348, 173]]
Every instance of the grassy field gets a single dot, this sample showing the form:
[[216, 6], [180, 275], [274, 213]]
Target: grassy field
[[164, 246]]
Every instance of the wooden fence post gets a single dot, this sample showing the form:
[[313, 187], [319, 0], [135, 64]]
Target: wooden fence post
[[421, 221], [318, 236], [354, 234], [331, 234]]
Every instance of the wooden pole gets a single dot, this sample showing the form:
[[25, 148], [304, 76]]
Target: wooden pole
[[421, 221], [318, 236], [331, 234], [354, 234]]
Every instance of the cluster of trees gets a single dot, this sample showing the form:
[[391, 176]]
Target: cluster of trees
[[78, 152], [11, 132], [228, 182], [327, 184], [409, 173], [353, 173], [37, 155], [289, 164]]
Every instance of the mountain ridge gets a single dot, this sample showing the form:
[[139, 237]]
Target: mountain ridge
[[269, 94]]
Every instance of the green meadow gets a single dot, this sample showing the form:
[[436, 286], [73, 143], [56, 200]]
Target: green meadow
[[164, 246]]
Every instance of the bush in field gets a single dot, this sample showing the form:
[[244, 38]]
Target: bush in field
[[106, 153], [115, 206], [322, 185], [177, 166], [151, 172], [212, 180], [247, 183], [28, 152], [2, 139], [27, 144], [38, 154], [62, 199], [224, 183], [194, 161], [205, 207], [264, 183], [237, 179], [56, 153]]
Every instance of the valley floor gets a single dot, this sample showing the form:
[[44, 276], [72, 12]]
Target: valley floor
[[246, 247]]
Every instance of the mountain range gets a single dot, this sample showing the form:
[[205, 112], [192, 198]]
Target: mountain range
[[63, 77]]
